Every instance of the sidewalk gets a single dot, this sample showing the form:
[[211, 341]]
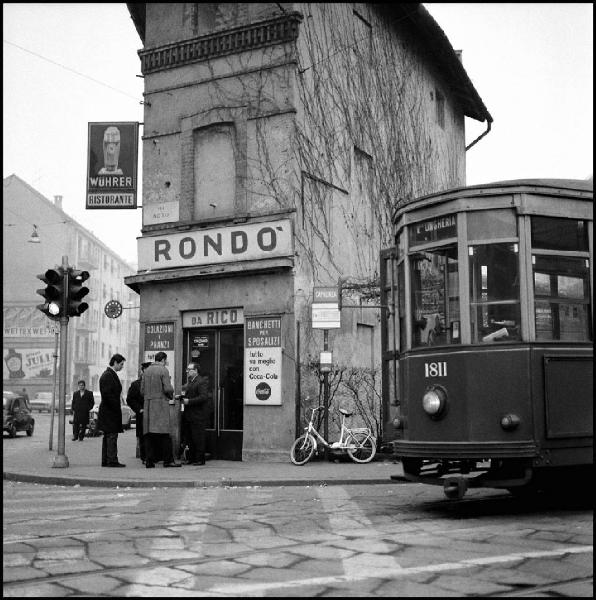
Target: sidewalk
[[30, 460]]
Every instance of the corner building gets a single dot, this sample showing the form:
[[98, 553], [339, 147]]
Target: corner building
[[277, 139]]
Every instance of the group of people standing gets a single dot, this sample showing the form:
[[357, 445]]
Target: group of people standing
[[150, 397]]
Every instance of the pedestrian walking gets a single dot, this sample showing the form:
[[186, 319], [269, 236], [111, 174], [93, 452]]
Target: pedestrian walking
[[134, 399], [82, 403], [196, 411], [109, 419], [158, 395]]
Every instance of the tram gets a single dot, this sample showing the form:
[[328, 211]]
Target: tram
[[487, 334]]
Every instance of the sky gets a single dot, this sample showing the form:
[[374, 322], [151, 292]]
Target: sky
[[65, 65]]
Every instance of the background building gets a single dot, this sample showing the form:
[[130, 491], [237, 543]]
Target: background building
[[277, 139], [29, 338]]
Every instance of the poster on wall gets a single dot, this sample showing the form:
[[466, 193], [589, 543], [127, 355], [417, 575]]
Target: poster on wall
[[159, 337], [27, 363], [262, 360]]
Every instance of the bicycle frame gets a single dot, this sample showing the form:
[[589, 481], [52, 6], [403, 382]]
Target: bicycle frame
[[345, 431]]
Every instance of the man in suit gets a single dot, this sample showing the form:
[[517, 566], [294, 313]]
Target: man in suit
[[82, 403], [158, 394], [109, 418], [134, 399], [196, 412]]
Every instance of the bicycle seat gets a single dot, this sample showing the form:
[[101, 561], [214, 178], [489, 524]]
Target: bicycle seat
[[343, 411]]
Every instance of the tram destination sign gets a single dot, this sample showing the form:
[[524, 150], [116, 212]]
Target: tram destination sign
[[433, 230]]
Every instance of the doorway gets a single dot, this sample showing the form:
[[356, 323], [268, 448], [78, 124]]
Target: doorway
[[220, 354]]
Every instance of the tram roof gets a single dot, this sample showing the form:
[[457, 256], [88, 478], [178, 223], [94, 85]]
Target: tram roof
[[576, 188]]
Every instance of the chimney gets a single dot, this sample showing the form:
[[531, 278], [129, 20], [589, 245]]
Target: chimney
[[459, 54], [58, 201]]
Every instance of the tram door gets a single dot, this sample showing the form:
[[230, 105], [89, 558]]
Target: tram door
[[220, 354]]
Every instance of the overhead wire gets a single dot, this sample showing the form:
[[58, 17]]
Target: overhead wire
[[70, 69]]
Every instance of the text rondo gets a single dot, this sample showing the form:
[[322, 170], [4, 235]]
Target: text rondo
[[250, 241]]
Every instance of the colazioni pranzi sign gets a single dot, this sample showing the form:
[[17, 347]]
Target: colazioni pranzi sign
[[249, 241]]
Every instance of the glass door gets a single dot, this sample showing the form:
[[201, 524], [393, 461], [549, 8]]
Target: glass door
[[220, 354]]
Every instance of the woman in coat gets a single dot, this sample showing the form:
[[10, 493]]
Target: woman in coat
[[157, 392]]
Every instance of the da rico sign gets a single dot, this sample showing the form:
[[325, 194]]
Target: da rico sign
[[262, 360], [112, 165]]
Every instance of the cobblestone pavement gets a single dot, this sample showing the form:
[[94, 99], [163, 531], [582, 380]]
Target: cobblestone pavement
[[349, 540]]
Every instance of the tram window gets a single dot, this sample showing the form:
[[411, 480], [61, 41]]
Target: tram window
[[561, 297], [550, 233], [435, 296], [401, 305], [493, 224], [494, 293]]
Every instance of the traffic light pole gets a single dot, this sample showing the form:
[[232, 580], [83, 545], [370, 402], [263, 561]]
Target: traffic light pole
[[61, 460]]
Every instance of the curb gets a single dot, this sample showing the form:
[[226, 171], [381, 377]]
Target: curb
[[191, 483]]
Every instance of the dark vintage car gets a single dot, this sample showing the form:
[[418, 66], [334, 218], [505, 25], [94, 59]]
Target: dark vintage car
[[16, 414], [128, 416]]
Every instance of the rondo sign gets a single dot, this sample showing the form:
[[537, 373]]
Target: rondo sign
[[113, 309]]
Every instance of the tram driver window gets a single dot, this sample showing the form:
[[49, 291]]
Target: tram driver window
[[435, 297], [494, 293]]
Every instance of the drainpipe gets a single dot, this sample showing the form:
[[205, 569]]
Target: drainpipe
[[488, 122]]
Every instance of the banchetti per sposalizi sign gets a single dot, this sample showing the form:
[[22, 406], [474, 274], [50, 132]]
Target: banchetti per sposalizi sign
[[112, 165]]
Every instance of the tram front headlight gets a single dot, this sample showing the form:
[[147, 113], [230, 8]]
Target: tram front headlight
[[434, 402]]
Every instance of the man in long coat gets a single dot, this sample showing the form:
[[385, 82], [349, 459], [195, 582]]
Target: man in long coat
[[82, 403], [109, 418], [158, 393], [196, 412]]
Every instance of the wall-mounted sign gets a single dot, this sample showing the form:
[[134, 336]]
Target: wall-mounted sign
[[215, 317], [262, 360], [162, 212], [27, 321], [159, 337], [28, 363], [249, 241], [112, 165]]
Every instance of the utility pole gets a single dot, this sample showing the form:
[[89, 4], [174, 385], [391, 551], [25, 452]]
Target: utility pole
[[54, 390]]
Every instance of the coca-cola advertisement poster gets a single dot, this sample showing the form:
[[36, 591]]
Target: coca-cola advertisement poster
[[112, 160]]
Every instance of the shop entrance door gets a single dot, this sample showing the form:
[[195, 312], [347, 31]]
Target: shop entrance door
[[220, 354]]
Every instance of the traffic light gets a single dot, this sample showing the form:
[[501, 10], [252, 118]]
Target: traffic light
[[53, 307], [76, 292]]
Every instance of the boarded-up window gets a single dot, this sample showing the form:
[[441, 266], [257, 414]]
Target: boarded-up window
[[214, 171]]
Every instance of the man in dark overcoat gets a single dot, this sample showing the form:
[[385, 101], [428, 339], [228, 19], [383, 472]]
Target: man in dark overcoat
[[134, 399], [82, 403], [109, 418], [196, 412]]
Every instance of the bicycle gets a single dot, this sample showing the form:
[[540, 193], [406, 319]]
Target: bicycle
[[359, 442]]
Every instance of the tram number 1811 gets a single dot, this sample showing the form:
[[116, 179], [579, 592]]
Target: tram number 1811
[[435, 369]]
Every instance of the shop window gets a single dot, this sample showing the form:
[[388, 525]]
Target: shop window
[[214, 171], [494, 293], [435, 297]]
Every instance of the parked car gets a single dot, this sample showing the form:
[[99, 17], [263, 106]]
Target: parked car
[[42, 402], [127, 415], [16, 415]]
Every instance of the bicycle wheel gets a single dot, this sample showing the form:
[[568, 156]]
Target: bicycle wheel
[[302, 449], [364, 447]]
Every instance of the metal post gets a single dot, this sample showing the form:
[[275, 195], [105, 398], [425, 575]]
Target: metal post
[[61, 460], [54, 392], [326, 394], [297, 399]]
